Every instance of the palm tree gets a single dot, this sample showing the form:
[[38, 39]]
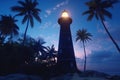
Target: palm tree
[[28, 10], [52, 53], [83, 36], [98, 8], [40, 49], [8, 27]]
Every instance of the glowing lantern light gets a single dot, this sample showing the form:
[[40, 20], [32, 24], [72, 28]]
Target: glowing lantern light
[[65, 14]]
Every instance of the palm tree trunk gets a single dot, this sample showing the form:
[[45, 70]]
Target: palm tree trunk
[[25, 32], [85, 57], [110, 36]]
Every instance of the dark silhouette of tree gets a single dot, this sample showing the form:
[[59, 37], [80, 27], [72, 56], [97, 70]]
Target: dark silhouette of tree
[[37, 47], [83, 36], [28, 9], [98, 8], [8, 27], [51, 55], [40, 49]]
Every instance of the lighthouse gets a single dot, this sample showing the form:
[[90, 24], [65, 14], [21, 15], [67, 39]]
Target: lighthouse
[[66, 57]]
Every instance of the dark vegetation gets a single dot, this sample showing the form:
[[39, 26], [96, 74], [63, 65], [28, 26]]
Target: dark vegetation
[[24, 55], [28, 58]]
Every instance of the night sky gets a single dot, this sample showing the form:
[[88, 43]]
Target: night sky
[[102, 55]]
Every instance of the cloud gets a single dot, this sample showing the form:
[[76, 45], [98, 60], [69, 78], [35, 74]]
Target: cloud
[[116, 35], [99, 56], [80, 63], [115, 32], [101, 29], [102, 41], [53, 40], [57, 6], [102, 32], [61, 4], [55, 25], [105, 61], [49, 24], [107, 24], [48, 12], [96, 44], [78, 48], [46, 25], [113, 29]]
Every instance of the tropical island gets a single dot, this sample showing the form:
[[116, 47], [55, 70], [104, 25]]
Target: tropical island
[[22, 56]]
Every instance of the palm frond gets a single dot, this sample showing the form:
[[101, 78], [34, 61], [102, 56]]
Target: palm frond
[[31, 21], [8, 26], [16, 27], [36, 11], [83, 35], [90, 17], [77, 38], [35, 3], [91, 3], [25, 19], [102, 17], [36, 16], [98, 7], [106, 4], [106, 13], [86, 12], [17, 8]]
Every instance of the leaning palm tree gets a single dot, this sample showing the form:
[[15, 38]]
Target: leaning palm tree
[[28, 9], [8, 27], [98, 8], [83, 36]]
